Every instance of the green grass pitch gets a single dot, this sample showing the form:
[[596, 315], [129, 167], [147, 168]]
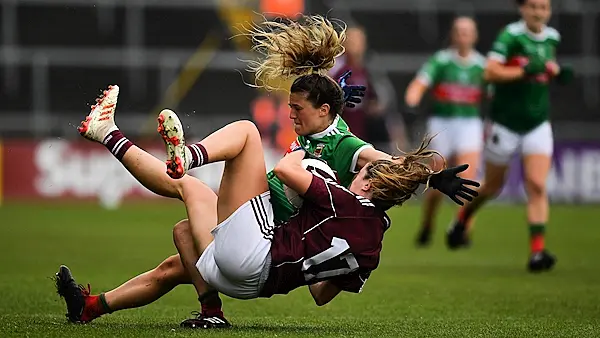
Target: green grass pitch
[[482, 292]]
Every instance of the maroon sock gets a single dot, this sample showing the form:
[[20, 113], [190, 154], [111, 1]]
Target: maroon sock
[[199, 155], [117, 144], [211, 305]]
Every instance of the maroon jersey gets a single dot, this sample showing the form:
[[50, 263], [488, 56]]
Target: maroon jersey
[[335, 236]]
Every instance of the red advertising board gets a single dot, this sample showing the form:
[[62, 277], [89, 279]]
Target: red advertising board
[[55, 169]]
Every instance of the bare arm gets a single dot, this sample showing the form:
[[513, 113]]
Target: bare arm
[[370, 155], [289, 170], [497, 72], [414, 92], [323, 292]]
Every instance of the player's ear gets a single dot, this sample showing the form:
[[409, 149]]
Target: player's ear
[[366, 186], [324, 110]]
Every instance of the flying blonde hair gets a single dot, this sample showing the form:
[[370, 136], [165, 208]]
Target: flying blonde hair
[[394, 182], [294, 48]]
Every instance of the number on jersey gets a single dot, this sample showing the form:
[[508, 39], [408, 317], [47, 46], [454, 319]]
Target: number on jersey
[[331, 262]]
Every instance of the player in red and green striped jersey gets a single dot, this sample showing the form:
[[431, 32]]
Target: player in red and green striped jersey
[[521, 65], [455, 75]]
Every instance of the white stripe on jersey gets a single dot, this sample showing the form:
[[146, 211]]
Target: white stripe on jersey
[[323, 221], [314, 172], [278, 265]]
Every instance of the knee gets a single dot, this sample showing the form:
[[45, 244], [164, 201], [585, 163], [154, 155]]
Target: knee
[[535, 187], [182, 231], [195, 192], [492, 186], [249, 127], [170, 270]]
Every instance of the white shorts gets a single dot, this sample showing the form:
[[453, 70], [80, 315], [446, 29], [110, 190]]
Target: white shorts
[[502, 143], [237, 262], [455, 135]]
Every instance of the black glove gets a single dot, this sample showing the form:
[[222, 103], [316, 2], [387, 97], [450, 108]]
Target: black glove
[[536, 65], [352, 94], [566, 74], [410, 115], [448, 183]]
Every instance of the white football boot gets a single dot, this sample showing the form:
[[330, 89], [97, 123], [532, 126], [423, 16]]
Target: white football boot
[[178, 155], [101, 119]]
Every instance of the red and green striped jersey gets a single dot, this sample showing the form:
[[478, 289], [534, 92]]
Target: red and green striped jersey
[[524, 104], [457, 82], [337, 146]]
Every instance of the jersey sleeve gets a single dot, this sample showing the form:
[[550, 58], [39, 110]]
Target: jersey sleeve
[[502, 46], [293, 147], [429, 71], [353, 282], [319, 193], [347, 152]]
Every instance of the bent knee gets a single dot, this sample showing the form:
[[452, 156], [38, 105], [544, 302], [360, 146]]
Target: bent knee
[[248, 126], [195, 193], [171, 270], [182, 230]]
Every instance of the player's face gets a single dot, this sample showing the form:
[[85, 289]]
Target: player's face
[[356, 43], [464, 33], [360, 184], [306, 118], [536, 13]]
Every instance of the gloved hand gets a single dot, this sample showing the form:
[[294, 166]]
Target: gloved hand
[[448, 183], [566, 74], [352, 94], [410, 114]]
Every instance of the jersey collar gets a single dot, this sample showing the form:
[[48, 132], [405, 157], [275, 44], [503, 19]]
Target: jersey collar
[[534, 36], [463, 62], [324, 133]]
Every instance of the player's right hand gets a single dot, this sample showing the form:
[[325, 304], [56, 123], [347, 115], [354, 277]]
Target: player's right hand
[[352, 94]]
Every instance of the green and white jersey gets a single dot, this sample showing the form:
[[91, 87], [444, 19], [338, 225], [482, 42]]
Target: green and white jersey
[[522, 105], [457, 82], [336, 145]]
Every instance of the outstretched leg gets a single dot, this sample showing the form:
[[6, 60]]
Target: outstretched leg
[[99, 126], [82, 307], [199, 199]]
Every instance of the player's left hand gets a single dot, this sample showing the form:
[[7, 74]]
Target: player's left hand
[[352, 94], [566, 74], [448, 183]]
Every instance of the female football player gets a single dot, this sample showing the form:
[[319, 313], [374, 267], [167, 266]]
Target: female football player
[[316, 101], [456, 75], [521, 64]]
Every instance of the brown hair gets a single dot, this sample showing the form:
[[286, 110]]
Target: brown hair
[[394, 182], [294, 48], [303, 50]]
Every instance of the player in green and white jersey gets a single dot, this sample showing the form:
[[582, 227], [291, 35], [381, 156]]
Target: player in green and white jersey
[[521, 65], [336, 145], [455, 75]]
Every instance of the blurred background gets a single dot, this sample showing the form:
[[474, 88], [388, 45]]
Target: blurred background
[[56, 56]]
